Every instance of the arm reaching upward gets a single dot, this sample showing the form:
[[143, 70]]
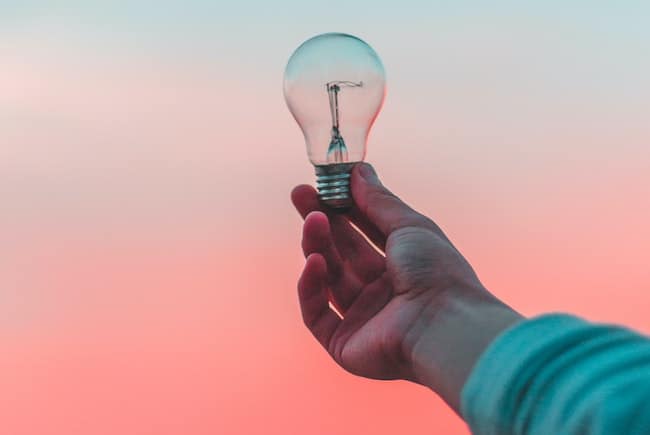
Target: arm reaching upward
[[411, 307]]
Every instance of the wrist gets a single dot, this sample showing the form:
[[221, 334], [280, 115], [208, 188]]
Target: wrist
[[453, 331]]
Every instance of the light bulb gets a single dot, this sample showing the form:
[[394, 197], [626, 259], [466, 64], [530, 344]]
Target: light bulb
[[334, 85]]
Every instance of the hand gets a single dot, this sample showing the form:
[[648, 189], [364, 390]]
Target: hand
[[392, 305]]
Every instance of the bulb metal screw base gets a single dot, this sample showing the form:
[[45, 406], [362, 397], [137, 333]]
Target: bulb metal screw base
[[333, 185]]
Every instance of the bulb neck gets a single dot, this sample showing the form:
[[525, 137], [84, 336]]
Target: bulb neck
[[333, 185]]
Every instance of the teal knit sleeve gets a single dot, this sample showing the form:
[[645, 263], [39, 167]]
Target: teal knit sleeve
[[557, 374]]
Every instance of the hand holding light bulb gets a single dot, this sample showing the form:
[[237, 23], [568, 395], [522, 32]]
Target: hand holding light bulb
[[334, 85], [412, 309]]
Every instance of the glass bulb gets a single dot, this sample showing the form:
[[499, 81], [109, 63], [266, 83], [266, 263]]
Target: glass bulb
[[334, 85]]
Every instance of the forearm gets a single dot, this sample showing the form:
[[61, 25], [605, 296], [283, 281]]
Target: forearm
[[451, 336]]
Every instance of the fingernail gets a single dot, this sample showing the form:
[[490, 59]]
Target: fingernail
[[368, 173]]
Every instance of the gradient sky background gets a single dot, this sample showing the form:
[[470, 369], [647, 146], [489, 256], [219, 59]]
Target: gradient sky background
[[148, 249]]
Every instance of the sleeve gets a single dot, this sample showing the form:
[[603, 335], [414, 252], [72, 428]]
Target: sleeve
[[557, 374]]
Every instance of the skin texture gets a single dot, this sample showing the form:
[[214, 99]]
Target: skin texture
[[412, 307]]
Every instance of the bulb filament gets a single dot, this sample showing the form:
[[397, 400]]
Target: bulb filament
[[337, 151]]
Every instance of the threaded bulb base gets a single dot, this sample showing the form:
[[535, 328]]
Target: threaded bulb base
[[333, 185]]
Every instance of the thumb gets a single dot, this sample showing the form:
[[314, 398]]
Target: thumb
[[379, 205]]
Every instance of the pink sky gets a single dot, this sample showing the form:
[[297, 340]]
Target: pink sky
[[149, 252]]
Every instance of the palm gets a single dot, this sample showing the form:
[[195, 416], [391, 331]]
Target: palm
[[374, 348], [387, 308]]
